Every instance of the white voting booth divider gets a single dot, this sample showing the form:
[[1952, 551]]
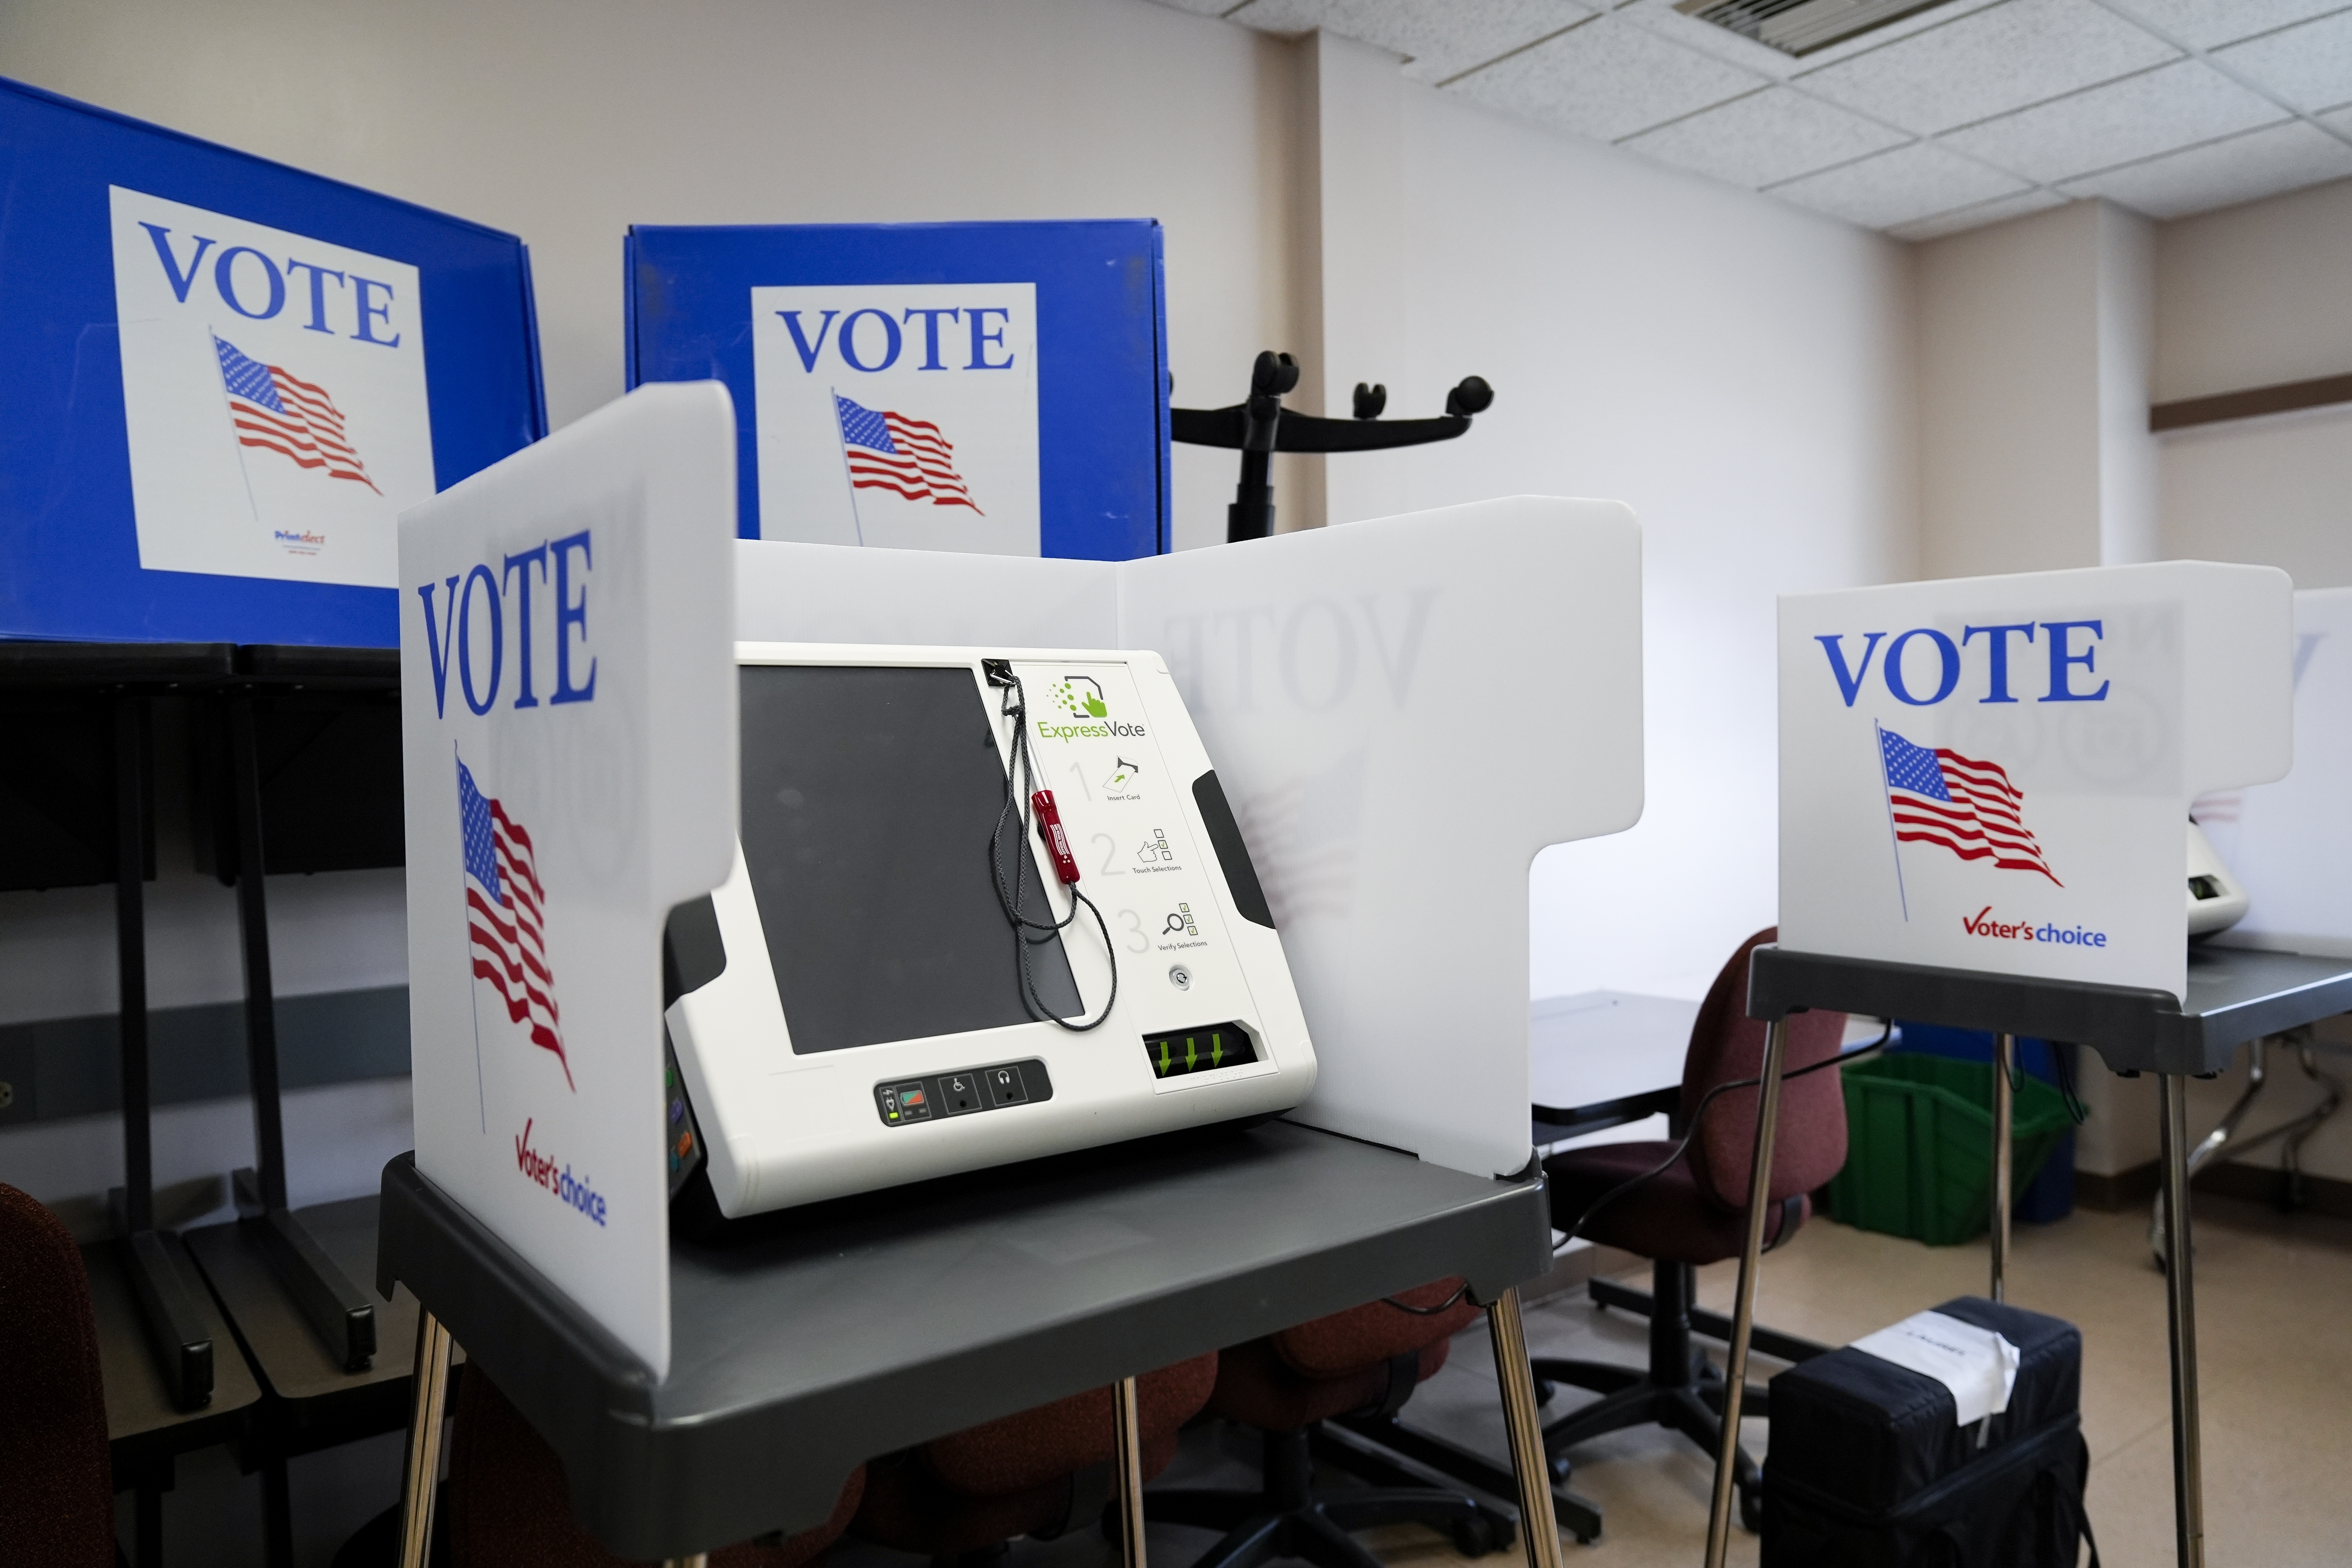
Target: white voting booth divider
[[1992, 774], [567, 740], [2290, 843], [1401, 712]]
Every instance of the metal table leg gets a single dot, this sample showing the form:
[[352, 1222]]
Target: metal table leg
[[1743, 1314], [424, 1465], [339, 1311], [2004, 1116], [277, 1514], [183, 1345], [1538, 1526], [2180, 1301], [1127, 1433]]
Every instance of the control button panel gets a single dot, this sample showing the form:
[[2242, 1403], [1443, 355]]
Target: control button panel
[[962, 1093], [1179, 1053]]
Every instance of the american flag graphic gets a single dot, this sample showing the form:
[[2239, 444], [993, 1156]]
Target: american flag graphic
[[888, 451], [503, 900], [1970, 807], [277, 412]]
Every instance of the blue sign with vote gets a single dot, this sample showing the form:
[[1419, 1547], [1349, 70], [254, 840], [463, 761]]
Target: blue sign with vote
[[227, 379], [996, 387]]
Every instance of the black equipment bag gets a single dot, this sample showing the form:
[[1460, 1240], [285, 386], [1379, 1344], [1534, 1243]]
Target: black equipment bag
[[1868, 1469]]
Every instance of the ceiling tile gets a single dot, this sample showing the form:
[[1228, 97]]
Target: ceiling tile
[[1764, 138], [2209, 23], [2309, 66], [1989, 62], [2221, 174], [1998, 210], [1909, 183], [1605, 80], [2170, 107], [1439, 39]]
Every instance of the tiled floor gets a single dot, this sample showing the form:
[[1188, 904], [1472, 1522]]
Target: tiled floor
[[2274, 1355], [2272, 1297]]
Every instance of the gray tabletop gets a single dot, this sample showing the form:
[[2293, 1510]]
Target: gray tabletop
[[819, 1338], [295, 1365], [2234, 994], [1603, 1059], [142, 1422]]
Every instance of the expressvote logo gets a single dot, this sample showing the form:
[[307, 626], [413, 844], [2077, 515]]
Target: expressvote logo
[[274, 395], [900, 415], [1081, 697]]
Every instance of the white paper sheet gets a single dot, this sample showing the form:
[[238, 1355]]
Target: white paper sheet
[[1977, 1365]]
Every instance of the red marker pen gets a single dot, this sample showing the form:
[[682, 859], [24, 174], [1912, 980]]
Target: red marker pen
[[1057, 843]]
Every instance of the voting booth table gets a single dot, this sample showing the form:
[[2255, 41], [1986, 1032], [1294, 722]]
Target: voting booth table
[[901, 1233], [2288, 845], [1983, 787]]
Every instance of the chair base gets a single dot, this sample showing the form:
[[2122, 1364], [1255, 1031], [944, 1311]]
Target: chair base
[[1680, 1390], [1286, 1518], [1708, 1325], [1362, 1445], [1628, 1399]]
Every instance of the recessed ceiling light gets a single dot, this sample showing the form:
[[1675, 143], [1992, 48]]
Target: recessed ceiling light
[[1800, 27]]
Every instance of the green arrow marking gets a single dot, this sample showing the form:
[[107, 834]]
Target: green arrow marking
[[1192, 1056], [1216, 1049], [1163, 1058]]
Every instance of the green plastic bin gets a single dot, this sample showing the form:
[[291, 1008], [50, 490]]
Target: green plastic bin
[[1919, 1146]]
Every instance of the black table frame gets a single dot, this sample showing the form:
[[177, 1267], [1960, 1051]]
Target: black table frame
[[121, 681], [231, 693], [265, 677], [801, 1350]]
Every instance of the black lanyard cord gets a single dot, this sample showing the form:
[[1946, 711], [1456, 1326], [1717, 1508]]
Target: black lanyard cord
[[1028, 934]]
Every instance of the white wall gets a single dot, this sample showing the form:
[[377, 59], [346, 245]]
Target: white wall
[[1741, 372], [2248, 297], [1741, 375]]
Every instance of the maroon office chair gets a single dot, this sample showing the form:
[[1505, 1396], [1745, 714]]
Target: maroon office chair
[[1365, 1360], [1041, 1472], [57, 1486], [1695, 1212], [505, 1505]]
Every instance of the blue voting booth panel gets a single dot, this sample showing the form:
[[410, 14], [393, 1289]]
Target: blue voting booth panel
[[225, 378], [999, 387]]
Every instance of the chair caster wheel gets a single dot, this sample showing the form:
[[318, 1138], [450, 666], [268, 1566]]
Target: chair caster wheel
[[1751, 1512], [1545, 1389], [1559, 1466], [1478, 1536]]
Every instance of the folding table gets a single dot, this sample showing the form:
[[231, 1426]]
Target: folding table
[[2233, 995], [825, 1337]]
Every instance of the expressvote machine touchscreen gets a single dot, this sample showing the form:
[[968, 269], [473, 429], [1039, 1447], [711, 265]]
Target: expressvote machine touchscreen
[[986, 905]]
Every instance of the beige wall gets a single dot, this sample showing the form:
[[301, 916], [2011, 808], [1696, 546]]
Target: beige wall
[[2252, 295], [2034, 346]]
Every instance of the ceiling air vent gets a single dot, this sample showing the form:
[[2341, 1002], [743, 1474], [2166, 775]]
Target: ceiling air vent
[[1800, 27]]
